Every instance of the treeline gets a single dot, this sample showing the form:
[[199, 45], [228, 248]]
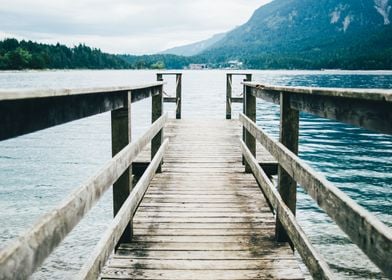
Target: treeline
[[15, 55], [370, 51], [373, 53], [18, 55]]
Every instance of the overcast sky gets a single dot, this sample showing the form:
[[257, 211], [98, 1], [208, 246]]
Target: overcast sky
[[122, 26]]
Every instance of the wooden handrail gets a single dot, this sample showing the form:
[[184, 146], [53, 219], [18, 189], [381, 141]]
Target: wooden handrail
[[112, 235], [178, 98], [229, 91], [26, 111], [367, 108], [364, 229], [24, 255], [316, 264], [23, 94]]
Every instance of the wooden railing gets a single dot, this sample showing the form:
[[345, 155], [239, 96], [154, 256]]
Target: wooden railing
[[27, 111], [371, 109], [178, 98], [230, 99]]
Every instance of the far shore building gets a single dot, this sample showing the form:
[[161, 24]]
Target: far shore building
[[235, 64], [197, 66]]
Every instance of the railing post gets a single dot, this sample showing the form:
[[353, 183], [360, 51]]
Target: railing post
[[287, 186], [247, 79], [156, 113], [250, 112], [229, 91], [178, 95], [121, 137]]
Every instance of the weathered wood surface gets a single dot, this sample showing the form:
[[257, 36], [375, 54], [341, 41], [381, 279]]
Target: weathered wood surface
[[203, 217], [178, 98], [117, 228], [316, 264], [26, 111], [121, 137], [364, 229], [367, 108], [287, 186], [22, 256]]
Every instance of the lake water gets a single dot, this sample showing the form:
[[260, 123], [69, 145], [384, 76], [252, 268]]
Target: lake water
[[38, 170]]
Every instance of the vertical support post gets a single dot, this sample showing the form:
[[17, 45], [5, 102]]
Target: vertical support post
[[229, 91], [247, 79], [156, 113], [178, 95], [121, 137], [250, 112], [287, 187]]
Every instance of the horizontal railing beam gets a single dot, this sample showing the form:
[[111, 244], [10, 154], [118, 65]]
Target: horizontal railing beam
[[237, 99], [372, 236], [170, 99], [29, 111], [25, 254], [112, 235], [367, 108], [316, 264]]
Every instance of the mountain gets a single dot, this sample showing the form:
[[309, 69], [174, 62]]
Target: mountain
[[195, 48], [311, 34]]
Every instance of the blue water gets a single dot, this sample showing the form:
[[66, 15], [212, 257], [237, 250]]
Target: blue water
[[39, 169]]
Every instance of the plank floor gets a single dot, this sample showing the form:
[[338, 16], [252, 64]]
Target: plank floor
[[203, 217]]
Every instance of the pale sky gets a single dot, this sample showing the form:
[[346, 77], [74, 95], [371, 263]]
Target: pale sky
[[122, 26]]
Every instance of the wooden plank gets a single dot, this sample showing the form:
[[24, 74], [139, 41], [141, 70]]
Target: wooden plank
[[169, 99], [367, 108], [279, 250], [203, 215], [316, 264], [6, 94], [121, 137], [259, 264], [229, 80], [25, 254], [174, 225], [237, 99], [206, 232], [26, 111], [156, 113], [288, 136], [201, 274], [363, 228], [178, 95], [250, 112], [353, 93], [203, 212], [270, 251], [112, 235]]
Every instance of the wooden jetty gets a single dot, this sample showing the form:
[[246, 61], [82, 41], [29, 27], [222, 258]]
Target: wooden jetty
[[204, 206], [203, 217]]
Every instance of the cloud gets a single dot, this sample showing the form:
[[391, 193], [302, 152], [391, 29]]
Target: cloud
[[122, 26]]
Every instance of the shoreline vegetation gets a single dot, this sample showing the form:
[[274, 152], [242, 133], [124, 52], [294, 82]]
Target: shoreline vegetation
[[28, 55]]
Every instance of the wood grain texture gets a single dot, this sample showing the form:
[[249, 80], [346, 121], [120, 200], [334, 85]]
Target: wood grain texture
[[203, 217], [25, 254], [372, 236], [26, 111], [368, 108]]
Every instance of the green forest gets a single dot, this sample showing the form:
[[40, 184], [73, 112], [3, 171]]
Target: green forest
[[15, 55], [19, 55]]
